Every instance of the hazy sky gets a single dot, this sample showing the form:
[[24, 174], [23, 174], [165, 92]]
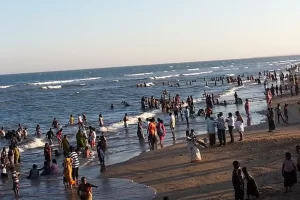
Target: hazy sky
[[40, 35]]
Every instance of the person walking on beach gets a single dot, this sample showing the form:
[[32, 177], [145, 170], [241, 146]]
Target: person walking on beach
[[252, 189], [101, 149], [279, 114], [161, 131], [152, 134], [187, 115], [237, 181], [84, 190], [298, 157], [221, 129], [211, 130], [289, 172], [247, 108], [271, 119], [286, 113], [239, 124], [280, 90], [172, 124], [230, 122]]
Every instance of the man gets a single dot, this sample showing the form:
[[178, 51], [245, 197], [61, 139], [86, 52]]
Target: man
[[152, 134], [75, 164], [211, 130], [221, 129], [172, 124], [84, 190], [187, 115], [125, 119], [49, 135], [247, 108]]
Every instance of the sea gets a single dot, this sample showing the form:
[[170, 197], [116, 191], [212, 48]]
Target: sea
[[36, 98]]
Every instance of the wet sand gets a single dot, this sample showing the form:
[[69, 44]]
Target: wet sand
[[169, 171]]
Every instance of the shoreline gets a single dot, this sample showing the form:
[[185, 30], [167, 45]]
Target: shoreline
[[170, 173]]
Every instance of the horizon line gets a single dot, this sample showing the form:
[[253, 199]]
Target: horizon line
[[141, 65]]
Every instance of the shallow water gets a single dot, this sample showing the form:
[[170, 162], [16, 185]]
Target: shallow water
[[37, 98]]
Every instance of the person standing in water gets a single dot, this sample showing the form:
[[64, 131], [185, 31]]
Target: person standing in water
[[84, 190], [286, 113], [172, 124], [65, 145], [49, 135], [16, 184], [100, 120], [140, 129], [187, 115], [71, 120], [247, 108], [125, 119]]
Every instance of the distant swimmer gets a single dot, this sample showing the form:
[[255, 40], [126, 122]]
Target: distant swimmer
[[125, 119], [112, 106], [125, 103]]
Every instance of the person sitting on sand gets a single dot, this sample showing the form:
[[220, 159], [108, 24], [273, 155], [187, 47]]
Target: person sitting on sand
[[252, 189], [289, 172], [34, 173], [194, 152], [237, 181]]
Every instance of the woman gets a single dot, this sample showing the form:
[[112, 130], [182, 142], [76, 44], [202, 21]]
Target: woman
[[252, 189], [84, 190], [11, 155], [161, 131], [289, 172], [101, 148], [140, 129], [58, 136], [54, 167], [239, 124], [68, 180], [38, 131], [152, 134], [87, 153], [80, 139], [65, 145], [16, 155], [101, 123], [47, 152], [194, 152], [237, 181], [271, 119], [3, 157]]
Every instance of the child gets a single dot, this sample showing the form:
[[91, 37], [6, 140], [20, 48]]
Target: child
[[15, 178], [4, 173], [252, 189], [289, 172]]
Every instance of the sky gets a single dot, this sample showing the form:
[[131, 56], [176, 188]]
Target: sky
[[56, 35]]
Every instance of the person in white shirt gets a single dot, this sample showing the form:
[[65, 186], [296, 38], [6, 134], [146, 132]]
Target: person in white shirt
[[2, 133], [80, 122], [230, 124], [172, 124]]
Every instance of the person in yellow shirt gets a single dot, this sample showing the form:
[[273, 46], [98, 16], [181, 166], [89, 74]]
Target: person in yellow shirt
[[71, 120]]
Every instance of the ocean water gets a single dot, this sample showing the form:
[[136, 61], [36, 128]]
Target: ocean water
[[37, 98]]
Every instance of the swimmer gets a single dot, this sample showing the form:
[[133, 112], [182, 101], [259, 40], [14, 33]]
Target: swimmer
[[112, 106], [71, 120], [125, 119], [15, 178]]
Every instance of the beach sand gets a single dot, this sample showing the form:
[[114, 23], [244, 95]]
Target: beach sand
[[169, 171]]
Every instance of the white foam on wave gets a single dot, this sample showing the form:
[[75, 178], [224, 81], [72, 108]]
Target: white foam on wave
[[140, 74], [226, 69], [246, 67], [164, 77], [5, 86], [229, 74], [115, 81], [51, 87], [36, 142], [132, 120], [166, 71], [198, 73], [194, 69], [64, 81], [231, 91], [171, 66]]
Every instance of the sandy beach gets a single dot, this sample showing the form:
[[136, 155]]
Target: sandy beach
[[170, 173]]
